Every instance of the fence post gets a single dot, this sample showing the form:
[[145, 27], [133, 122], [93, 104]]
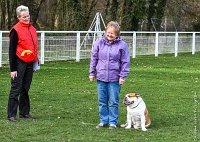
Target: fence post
[[134, 45], [1, 49], [78, 47], [193, 43], [156, 44], [176, 44], [42, 47]]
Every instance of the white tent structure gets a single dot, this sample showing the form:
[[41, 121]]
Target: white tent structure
[[164, 24], [95, 27]]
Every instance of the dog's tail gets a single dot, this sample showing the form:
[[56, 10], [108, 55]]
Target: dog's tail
[[147, 117]]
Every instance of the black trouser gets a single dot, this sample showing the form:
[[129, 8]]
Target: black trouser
[[19, 89]]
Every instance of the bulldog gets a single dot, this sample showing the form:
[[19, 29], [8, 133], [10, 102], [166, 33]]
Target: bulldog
[[137, 113]]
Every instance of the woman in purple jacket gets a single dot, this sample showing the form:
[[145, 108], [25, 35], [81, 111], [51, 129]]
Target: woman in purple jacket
[[109, 65]]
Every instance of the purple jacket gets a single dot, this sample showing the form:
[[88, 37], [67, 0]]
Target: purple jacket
[[109, 61]]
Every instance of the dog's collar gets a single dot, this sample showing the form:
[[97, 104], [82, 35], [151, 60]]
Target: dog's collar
[[137, 104]]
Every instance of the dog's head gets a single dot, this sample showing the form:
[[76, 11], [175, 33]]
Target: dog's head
[[130, 98]]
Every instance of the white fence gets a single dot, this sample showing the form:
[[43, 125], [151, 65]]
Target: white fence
[[76, 45]]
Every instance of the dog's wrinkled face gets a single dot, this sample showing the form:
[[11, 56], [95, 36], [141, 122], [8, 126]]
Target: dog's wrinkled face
[[130, 98]]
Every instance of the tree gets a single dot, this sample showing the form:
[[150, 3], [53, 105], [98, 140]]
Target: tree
[[7, 14], [78, 14], [3, 13], [131, 13], [111, 10], [155, 13]]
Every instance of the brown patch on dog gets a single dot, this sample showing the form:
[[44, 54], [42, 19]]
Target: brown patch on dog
[[133, 95], [147, 117]]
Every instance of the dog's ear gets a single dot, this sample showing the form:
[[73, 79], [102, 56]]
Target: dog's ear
[[137, 94], [133, 95]]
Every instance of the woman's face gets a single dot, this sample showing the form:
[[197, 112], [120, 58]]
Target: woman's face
[[111, 34], [24, 17]]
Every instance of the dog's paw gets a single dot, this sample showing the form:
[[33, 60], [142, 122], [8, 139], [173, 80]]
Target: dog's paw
[[123, 125], [128, 127], [136, 127], [144, 129]]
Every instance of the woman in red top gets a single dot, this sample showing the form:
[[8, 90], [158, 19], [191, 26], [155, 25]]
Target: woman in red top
[[23, 52]]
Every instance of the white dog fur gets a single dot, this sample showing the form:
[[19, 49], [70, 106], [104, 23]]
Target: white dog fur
[[137, 113]]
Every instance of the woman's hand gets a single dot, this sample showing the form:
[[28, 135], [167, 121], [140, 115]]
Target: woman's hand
[[121, 81], [92, 78], [13, 74]]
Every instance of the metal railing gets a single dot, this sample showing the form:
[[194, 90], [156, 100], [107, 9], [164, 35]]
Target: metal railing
[[76, 45]]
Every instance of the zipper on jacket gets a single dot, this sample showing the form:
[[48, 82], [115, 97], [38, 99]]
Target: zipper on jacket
[[107, 64], [32, 41]]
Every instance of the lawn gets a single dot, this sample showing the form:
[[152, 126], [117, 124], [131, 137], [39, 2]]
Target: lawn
[[65, 105]]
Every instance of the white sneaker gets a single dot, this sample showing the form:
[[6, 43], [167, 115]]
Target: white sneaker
[[112, 126], [101, 125], [123, 125]]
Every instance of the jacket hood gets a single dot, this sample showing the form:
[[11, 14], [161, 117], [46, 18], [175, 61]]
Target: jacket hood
[[105, 40]]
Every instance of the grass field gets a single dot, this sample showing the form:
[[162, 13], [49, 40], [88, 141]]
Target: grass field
[[64, 102]]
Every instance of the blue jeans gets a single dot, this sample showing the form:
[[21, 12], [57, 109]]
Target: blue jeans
[[108, 97]]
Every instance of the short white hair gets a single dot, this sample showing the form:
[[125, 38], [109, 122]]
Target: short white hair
[[20, 9], [114, 24]]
